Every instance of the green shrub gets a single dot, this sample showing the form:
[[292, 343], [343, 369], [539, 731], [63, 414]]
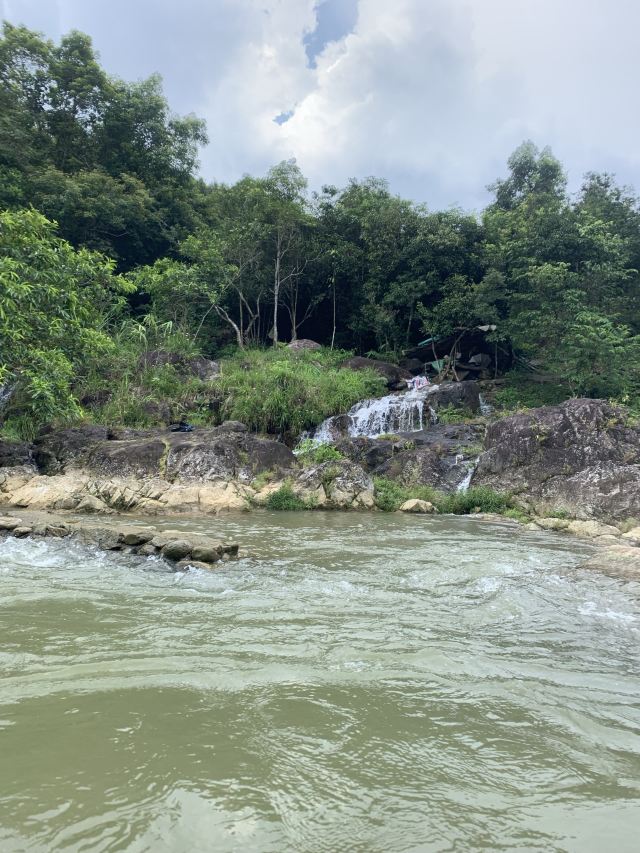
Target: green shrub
[[310, 452], [454, 415], [389, 495], [285, 499], [522, 392], [285, 392], [475, 499]]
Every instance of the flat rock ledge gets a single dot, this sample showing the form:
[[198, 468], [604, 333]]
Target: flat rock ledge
[[178, 548]]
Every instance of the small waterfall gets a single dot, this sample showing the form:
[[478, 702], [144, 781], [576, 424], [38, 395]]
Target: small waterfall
[[466, 482], [485, 408], [408, 412]]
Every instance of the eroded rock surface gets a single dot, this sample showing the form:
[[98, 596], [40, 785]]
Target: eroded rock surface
[[581, 458]]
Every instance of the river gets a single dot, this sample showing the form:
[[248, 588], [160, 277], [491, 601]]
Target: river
[[357, 683]]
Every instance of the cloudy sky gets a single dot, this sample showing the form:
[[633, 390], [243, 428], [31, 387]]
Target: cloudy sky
[[431, 94]]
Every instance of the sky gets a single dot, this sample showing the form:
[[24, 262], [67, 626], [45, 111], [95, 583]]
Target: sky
[[432, 95]]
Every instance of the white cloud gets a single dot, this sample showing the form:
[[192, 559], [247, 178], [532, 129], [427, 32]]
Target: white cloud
[[432, 94]]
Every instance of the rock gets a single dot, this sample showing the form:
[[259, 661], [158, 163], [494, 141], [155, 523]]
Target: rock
[[206, 553], [592, 529], [459, 395], [619, 560], [91, 504], [230, 426], [106, 538], [416, 505], [22, 531], [632, 535], [202, 368], [7, 522], [15, 453], [136, 535], [414, 366], [303, 344], [134, 458], [176, 549], [343, 483], [146, 550], [59, 531], [552, 523], [183, 565], [57, 450], [395, 377], [581, 457]]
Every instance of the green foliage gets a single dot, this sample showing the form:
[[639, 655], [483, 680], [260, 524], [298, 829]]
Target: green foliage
[[278, 391], [453, 415], [390, 495], [475, 499], [55, 306], [309, 452], [285, 499], [522, 392]]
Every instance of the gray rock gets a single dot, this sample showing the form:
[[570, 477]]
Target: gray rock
[[183, 565], [22, 531], [580, 458], [395, 377], [136, 536], [207, 553], [8, 522], [176, 549], [303, 344]]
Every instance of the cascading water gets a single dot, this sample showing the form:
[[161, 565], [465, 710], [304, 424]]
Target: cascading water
[[405, 412], [485, 408]]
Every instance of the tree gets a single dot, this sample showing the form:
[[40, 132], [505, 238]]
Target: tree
[[55, 311]]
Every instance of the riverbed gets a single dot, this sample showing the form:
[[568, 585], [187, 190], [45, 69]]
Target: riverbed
[[354, 683]]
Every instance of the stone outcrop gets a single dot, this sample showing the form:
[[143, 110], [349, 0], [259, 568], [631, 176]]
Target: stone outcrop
[[336, 485], [88, 470], [439, 456], [395, 377], [581, 459], [175, 547]]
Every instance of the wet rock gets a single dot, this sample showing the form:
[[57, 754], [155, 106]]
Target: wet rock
[[632, 536], [136, 536], [395, 377], [581, 457], [206, 553], [59, 531], [8, 522], [619, 560], [176, 549], [418, 506], [147, 550], [184, 565], [21, 531]]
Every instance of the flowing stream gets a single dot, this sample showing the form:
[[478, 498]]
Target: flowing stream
[[357, 683]]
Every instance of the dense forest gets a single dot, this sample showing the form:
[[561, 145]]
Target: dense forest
[[112, 247]]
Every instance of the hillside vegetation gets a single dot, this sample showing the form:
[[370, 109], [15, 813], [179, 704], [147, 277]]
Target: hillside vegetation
[[112, 247]]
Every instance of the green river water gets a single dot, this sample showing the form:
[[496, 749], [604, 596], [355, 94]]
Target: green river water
[[357, 683]]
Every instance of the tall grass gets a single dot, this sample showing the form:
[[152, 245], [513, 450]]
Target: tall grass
[[283, 392]]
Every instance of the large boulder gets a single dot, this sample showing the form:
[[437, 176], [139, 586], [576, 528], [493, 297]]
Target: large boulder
[[395, 377], [57, 450], [457, 395], [581, 458]]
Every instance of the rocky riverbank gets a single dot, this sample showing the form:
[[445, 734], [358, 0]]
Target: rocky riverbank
[[574, 467], [178, 548]]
